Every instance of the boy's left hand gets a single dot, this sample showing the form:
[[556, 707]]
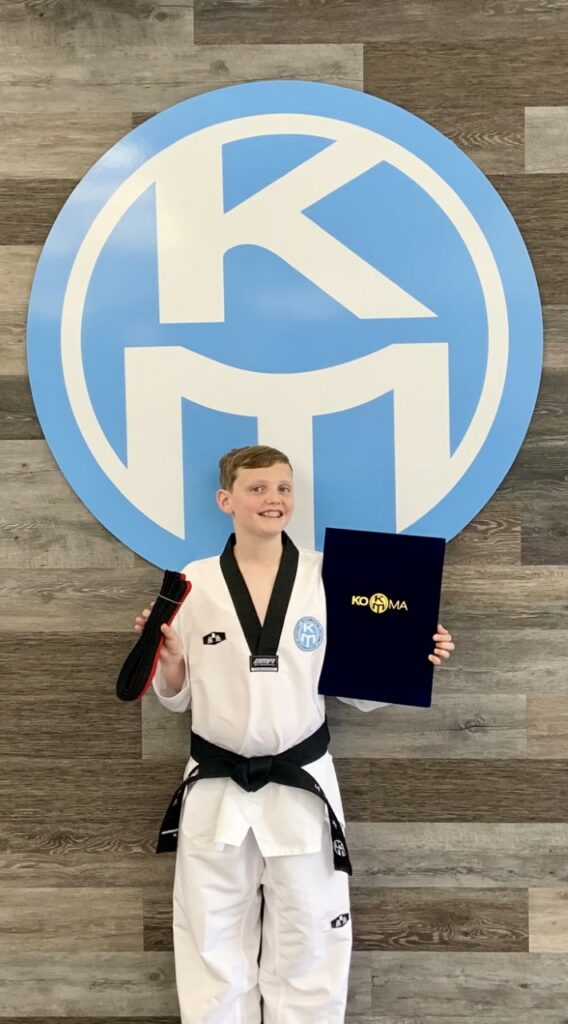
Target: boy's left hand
[[443, 645]]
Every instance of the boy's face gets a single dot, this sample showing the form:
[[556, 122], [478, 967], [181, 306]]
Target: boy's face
[[261, 500]]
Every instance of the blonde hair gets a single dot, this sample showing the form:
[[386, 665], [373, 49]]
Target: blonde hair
[[252, 456]]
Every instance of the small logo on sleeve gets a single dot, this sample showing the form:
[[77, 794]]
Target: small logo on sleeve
[[214, 638], [339, 921]]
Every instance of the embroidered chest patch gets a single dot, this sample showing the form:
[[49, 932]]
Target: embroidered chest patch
[[214, 638], [339, 921]]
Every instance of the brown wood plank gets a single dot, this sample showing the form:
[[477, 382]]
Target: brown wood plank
[[12, 340], [89, 985], [497, 598], [43, 522], [548, 920], [303, 21], [440, 790], [108, 599], [529, 660], [62, 919], [36, 146], [485, 75], [546, 147], [98, 79], [80, 23], [547, 725], [79, 1019], [468, 855], [17, 268], [462, 726]]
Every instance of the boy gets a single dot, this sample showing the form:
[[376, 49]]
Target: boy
[[260, 593]]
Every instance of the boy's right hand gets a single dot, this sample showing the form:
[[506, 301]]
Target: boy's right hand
[[172, 650]]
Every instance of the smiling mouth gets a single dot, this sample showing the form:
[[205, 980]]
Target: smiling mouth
[[271, 515]]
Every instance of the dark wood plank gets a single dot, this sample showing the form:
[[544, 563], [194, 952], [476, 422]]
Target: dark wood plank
[[445, 790], [303, 21], [18, 419], [487, 75], [419, 920], [550, 416], [539, 469], [68, 792], [493, 139], [157, 922], [28, 208], [555, 337], [67, 795], [544, 531], [83, 664], [539, 205], [493, 535], [353, 775]]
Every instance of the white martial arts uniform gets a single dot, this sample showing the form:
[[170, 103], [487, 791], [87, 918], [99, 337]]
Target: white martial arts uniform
[[231, 841]]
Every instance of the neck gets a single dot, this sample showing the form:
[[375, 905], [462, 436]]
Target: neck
[[258, 551]]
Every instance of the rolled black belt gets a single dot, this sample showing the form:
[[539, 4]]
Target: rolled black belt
[[251, 773]]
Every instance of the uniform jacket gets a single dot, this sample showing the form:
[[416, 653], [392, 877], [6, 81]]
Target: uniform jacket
[[254, 713]]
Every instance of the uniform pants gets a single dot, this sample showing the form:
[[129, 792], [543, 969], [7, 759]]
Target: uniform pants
[[301, 976]]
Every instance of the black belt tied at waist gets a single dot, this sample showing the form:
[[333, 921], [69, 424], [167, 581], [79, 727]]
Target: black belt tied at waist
[[251, 773]]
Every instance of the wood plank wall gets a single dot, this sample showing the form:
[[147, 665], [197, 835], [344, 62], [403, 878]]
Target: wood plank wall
[[458, 817]]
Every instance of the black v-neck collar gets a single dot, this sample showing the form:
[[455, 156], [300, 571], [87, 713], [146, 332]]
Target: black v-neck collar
[[263, 639]]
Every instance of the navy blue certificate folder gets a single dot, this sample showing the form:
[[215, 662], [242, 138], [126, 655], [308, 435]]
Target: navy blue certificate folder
[[383, 598]]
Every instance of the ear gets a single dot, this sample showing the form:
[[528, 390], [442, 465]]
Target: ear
[[224, 501]]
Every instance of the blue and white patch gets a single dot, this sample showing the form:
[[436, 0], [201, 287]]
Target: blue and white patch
[[308, 633]]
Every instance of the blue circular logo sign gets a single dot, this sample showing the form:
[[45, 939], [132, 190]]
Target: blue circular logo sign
[[293, 264], [308, 633]]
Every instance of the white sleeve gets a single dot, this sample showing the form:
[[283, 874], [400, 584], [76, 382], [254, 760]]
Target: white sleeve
[[173, 701], [365, 705]]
